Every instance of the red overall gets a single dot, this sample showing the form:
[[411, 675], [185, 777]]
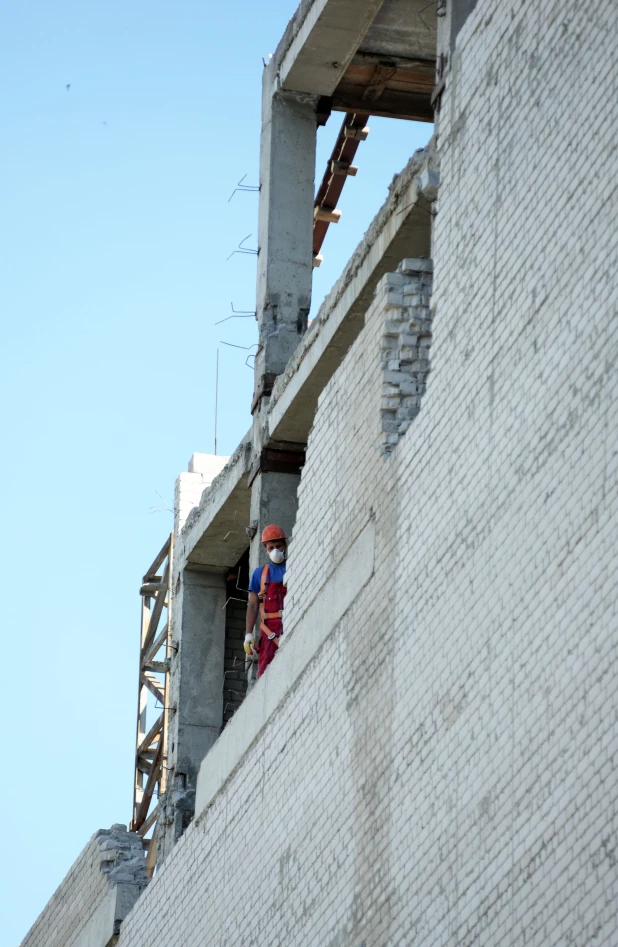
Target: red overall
[[271, 598]]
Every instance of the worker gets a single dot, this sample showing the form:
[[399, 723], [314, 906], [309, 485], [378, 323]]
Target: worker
[[266, 594]]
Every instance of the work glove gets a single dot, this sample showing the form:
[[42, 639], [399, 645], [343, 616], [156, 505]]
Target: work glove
[[249, 645]]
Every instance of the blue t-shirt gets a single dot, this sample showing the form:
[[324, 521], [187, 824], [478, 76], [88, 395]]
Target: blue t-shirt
[[276, 575]]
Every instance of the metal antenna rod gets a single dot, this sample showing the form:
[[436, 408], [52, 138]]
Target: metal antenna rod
[[216, 399]]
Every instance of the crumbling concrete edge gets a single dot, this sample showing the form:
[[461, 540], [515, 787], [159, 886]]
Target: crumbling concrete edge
[[298, 648], [122, 860]]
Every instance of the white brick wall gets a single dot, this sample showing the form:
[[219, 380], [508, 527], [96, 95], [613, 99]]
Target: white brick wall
[[98, 891], [443, 773]]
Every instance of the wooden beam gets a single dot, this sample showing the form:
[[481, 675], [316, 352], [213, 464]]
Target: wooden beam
[[143, 766], [413, 107], [338, 168], [155, 616], [154, 647], [150, 681], [148, 791], [150, 821], [329, 216], [396, 88], [161, 555], [151, 588], [154, 731], [151, 857], [159, 667]]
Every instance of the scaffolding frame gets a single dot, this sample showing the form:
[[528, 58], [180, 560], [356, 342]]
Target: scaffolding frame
[[154, 667]]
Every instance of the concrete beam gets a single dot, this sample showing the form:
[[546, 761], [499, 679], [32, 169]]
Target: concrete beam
[[315, 57], [404, 28], [402, 228], [203, 468], [213, 536]]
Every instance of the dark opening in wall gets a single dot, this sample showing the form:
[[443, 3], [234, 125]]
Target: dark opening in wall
[[235, 678]]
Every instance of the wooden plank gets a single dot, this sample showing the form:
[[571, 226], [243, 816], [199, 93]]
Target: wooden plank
[[143, 766], [151, 588], [149, 789], [152, 733], [161, 555], [159, 667], [412, 106], [395, 73], [151, 857], [352, 131], [329, 216], [150, 746], [155, 616], [154, 647], [153, 685], [150, 821], [165, 731]]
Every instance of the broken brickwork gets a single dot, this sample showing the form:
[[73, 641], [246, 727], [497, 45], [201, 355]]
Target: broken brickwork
[[97, 894], [405, 346], [431, 757]]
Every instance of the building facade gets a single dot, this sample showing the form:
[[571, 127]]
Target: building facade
[[430, 759]]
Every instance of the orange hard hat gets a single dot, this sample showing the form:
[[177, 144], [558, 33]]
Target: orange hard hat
[[272, 532]]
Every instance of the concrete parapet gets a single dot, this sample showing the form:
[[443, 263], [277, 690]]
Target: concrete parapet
[[213, 533]]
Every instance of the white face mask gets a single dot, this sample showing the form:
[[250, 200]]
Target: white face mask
[[277, 556]]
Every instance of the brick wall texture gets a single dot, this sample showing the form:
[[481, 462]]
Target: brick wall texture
[[443, 773], [112, 856], [73, 903]]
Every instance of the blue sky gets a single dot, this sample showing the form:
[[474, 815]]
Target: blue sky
[[114, 233]]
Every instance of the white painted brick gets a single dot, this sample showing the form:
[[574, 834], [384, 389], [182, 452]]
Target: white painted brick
[[443, 772]]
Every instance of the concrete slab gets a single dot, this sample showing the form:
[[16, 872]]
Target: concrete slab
[[402, 228], [203, 468], [214, 533], [320, 41], [406, 28]]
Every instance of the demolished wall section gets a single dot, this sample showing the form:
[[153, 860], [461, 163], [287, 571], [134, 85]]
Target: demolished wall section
[[442, 772], [318, 747], [446, 759], [100, 889]]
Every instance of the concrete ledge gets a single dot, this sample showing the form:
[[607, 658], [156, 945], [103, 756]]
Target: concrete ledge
[[214, 532], [402, 228], [323, 44], [203, 468], [298, 647]]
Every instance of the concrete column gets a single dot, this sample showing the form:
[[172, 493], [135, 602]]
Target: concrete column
[[285, 225], [452, 14], [273, 500], [196, 690]]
